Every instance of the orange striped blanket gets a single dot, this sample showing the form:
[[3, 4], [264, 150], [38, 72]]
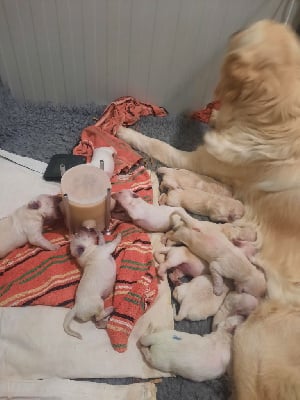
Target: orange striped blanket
[[32, 276]]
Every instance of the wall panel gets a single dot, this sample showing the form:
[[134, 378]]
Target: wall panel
[[79, 51]]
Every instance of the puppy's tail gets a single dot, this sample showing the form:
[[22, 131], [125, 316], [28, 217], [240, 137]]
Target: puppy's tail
[[67, 321]]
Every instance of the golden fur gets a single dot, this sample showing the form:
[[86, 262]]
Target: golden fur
[[255, 148]]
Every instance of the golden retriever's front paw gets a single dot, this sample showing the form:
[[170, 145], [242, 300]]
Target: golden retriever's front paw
[[122, 132]]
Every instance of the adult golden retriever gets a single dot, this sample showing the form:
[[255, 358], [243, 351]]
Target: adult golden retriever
[[255, 147]]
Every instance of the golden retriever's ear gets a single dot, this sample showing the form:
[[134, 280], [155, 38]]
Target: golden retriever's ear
[[237, 75]]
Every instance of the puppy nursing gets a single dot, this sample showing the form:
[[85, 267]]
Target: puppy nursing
[[199, 194], [225, 260], [175, 178], [26, 224], [235, 303], [217, 208], [98, 279]]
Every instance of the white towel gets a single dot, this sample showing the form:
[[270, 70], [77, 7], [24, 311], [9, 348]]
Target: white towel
[[64, 389]]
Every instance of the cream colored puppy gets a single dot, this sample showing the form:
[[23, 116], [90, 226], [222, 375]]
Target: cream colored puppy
[[191, 356], [178, 178], [241, 236], [182, 258], [98, 279], [225, 259], [150, 217], [217, 208], [26, 224], [235, 303], [197, 299], [233, 232]]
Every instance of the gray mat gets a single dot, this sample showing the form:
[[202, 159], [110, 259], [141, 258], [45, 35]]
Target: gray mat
[[41, 130]]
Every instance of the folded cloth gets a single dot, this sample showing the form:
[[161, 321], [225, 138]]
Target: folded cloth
[[204, 114], [66, 389], [123, 111], [33, 344]]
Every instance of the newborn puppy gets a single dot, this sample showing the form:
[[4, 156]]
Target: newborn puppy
[[236, 234], [150, 217], [235, 303], [175, 178], [182, 258], [26, 224], [194, 357], [98, 279], [197, 299], [241, 236], [225, 259], [217, 208]]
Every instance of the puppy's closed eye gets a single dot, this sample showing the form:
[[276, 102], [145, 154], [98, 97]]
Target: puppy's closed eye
[[34, 205]]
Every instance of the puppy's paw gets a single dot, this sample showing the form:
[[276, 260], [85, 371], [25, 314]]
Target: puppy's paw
[[102, 324], [163, 198], [53, 247]]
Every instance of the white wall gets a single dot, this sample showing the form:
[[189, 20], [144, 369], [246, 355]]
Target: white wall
[[78, 51]]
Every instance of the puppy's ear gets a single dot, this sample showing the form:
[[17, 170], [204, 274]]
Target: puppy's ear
[[134, 195], [34, 205], [57, 198]]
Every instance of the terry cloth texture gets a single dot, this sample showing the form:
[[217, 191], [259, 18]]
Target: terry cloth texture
[[123, 111]]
